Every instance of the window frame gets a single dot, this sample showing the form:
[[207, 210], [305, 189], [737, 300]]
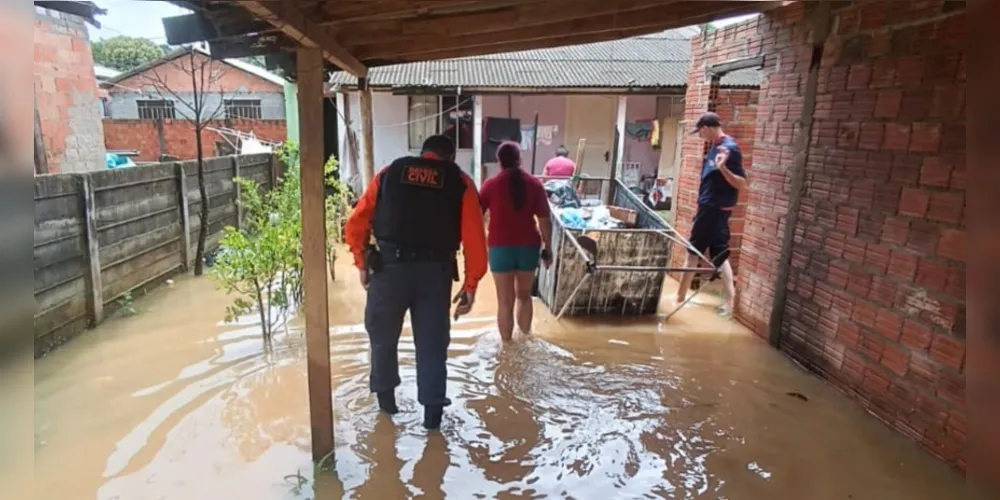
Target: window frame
[[167, 104], [441, 118], [244, 104]]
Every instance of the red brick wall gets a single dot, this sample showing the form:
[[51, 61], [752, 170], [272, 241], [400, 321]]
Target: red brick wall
[[738, 110], [876, 300], [179, 136], [66, 93]]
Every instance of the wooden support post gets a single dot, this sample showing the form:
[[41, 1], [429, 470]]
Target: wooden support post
[[367, 136], [237, 192], [272, 170], [581, 145], [619, 144], [95, 289], [185, 215], [820, 20], [477, 140], [346, 169], [41, 163], [534, 143], [310, 66]]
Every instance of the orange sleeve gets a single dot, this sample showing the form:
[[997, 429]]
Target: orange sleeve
[[473, 236], [358, 230]]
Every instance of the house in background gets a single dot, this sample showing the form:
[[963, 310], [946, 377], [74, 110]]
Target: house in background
[[68, 132], [147, 123], [590, 91]]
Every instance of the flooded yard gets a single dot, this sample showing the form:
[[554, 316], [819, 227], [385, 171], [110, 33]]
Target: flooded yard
[[174, 404]]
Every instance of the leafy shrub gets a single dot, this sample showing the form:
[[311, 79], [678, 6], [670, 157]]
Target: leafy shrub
[[262, 263]]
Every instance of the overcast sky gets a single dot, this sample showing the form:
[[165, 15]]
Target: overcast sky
[[134, 18], [144, 19]]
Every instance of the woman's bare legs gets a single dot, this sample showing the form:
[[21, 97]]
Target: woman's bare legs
[[523, 281], [504, 283]]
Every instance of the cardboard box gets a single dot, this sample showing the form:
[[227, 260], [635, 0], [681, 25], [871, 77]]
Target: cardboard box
[[629, 217]]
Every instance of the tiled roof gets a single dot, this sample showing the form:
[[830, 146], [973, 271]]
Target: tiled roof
[[659, 60]]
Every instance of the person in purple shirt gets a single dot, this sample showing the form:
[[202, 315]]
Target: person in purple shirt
[[560, 165], [722, 179]]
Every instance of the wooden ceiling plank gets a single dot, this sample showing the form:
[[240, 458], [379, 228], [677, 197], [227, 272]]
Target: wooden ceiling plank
[[341, 14], [497, 19], [291, 21], [648, 20]]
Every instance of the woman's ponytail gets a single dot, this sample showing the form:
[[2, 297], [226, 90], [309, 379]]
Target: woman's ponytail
[[509, 156]]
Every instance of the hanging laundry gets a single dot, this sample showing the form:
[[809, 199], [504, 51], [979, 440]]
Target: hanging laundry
[[527, 137], [497, 131], [250, 145], [547, 133], [655, 138], [641, 130]]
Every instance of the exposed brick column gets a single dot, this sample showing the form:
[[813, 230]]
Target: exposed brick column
[[818, 22]]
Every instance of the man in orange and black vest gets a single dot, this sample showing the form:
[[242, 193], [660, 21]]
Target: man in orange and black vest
[[420, 210]]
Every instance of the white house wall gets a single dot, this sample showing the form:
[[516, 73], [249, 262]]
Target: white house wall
[[390, 131]]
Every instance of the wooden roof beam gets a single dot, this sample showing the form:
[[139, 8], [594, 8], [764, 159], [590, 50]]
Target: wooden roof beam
[[556, 41], [343, 13], [499, 18], [644, 21], [291, 21]]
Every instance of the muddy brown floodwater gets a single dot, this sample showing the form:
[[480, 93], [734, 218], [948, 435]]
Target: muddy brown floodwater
[[173, 404]]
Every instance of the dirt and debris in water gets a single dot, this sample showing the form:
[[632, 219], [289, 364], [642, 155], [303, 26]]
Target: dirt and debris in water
[[173, 404]]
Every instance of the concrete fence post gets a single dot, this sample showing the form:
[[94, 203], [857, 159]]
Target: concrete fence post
[[237, 192], [91, 248], [184, 214]]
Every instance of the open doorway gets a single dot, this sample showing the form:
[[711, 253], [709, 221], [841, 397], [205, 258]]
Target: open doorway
[[330, 129]]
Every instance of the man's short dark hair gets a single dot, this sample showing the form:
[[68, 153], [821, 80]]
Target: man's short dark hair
[[562, 151], [440, 145]]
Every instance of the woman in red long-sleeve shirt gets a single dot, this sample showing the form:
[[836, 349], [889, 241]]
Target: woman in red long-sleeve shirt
[[514, 200]]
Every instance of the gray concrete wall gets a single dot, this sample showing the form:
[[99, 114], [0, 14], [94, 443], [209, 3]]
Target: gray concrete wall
[[100, 235], [122, 105]]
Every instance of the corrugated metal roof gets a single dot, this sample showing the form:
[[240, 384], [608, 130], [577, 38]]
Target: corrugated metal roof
[[650, 61], [104, 72]]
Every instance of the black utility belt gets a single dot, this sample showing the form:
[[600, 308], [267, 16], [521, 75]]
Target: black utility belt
[[385, 254], [391, 251], [394, 255]]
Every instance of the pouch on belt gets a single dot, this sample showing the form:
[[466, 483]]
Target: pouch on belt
[[373, 259]]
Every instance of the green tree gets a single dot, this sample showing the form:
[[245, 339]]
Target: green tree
[[262, 263], [125, 53]]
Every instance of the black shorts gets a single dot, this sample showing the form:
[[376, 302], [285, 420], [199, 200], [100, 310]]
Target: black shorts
[[710, 233]]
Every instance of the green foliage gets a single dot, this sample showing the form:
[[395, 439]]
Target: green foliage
[[288, 153], [125, 53], [338, 209], [262, 263], [126, 302]]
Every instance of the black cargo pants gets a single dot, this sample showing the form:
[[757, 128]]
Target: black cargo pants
[[423, 288]]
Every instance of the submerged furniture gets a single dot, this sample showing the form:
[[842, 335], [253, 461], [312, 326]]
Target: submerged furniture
[[622, 271]]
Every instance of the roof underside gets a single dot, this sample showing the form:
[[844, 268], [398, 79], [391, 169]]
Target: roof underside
[[359, 34], [645, 62]]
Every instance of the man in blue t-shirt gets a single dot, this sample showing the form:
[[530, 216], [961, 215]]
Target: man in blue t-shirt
[[722, 179]]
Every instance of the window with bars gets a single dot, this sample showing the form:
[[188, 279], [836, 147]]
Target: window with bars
[[156, 109], [242, 109], [451, 116]]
